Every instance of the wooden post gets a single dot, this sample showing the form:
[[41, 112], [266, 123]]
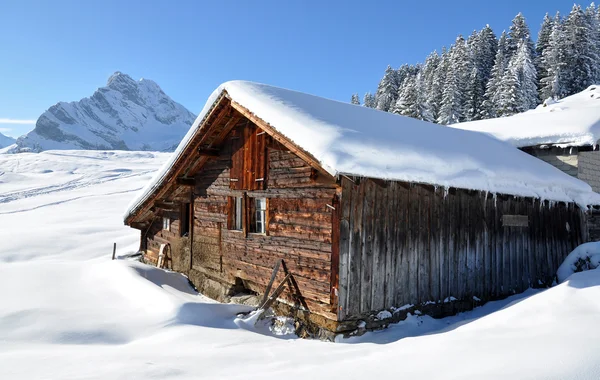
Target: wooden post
[[114, 250]]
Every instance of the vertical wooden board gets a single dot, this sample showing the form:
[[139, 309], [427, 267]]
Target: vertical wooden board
[[453, 201], [378, 256], [474, 259], [345, 235], [401, 274], [434, 239], [434, 242], [367, 251], [336, 216], [390, 246], [413, 270], [548, 241], [505, 253], [443, 245], [493, 232], [424, 253], [462, 223], [355, 251], [529, 256]]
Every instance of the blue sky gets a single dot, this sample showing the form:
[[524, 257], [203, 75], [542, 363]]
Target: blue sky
[[63, 50]]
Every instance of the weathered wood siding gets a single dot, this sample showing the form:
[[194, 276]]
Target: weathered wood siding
[[414, 244], [299, 226]]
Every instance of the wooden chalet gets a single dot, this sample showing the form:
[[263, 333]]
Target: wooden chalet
[[247, 187]]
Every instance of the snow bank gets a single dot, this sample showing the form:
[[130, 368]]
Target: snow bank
[[584, 257], [69, 312], [572, 121], [355, 140]]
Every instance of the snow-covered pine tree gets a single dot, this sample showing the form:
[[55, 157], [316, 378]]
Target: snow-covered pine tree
[[435, 93], [519, 31], [490, 103], [527, 77], [453, 99], [387, 91], [412, 100], [355, 99], [369, 100], [509, 100], [580, 51], [482, 47], [554, 84], [488, 46], [542, 44], [591, 14], [428, 71]]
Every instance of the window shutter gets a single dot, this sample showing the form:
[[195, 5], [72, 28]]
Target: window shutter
[[260, 160], [237, 160], [230, 212]]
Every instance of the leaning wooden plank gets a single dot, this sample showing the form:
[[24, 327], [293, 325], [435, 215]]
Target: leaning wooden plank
[[276, 293], [273, 275]]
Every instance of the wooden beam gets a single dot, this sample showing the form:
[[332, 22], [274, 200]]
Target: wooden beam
[[186, 181], [208, 152], [166, 205], [139, 226]]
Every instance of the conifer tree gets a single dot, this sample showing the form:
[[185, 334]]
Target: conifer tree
[[453, 99], [369, 100], [412, 100], [387, 91], [490, 103], [355, 99], [519, 31], [436, 89], [554, 84], [580, 52], [542, 44]]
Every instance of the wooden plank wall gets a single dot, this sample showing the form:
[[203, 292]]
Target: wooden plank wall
[[299, 227], [405, 244]]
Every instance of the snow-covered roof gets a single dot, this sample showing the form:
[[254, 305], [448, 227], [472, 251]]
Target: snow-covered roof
[[355, 140], [572, 121]]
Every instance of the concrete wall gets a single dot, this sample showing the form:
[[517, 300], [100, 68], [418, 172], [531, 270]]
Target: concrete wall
[[589, 169]]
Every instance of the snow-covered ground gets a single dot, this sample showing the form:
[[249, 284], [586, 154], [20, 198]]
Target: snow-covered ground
[[68, 312]]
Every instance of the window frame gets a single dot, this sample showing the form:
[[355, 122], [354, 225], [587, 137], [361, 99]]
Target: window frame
[[243, 215], [166, 226], [258, 215]]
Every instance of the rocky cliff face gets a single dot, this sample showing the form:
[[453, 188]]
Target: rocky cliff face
[[124, 115]]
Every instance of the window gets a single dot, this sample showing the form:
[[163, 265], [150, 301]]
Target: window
[[184, 228], [259, 215], [238, 213], [166, 224], [247, 214]]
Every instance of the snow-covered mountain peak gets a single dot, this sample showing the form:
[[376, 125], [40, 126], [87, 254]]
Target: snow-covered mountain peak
[[125, 114]]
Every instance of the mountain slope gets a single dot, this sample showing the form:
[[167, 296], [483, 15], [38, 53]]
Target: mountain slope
[[6, 141], [124, 115]]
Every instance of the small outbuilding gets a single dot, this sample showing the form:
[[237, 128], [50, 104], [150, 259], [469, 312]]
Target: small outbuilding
[[563, 133], [372, 214]]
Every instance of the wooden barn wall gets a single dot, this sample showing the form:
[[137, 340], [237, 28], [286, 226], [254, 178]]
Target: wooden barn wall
[[298, 227], [413, 244], [155, 235]]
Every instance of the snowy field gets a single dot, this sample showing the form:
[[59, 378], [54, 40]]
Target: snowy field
[[68, 312]]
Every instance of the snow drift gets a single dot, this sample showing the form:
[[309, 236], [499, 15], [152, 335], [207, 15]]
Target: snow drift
[[69, 312], [584, 257]]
